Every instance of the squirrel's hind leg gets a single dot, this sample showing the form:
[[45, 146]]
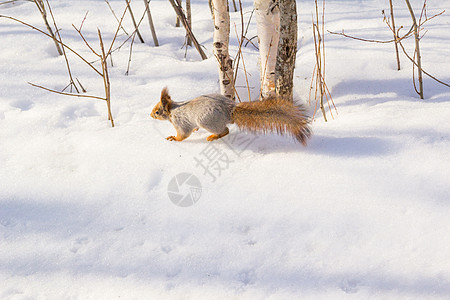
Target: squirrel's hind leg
[[213, 137]]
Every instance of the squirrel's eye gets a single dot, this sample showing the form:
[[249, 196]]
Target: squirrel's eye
[[157, 112]]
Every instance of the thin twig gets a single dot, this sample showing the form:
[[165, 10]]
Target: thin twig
[[415, 29], [417, 48], [424, 72], [369, 40], [316, 34], [62, 48], [263, 80], [150, 21], [84, 19], [118, 27], [48, 35], [115, 16], [318, 74], [250, 41], [41, 8], [82, 87], [129, 57], [134, 21], [323, 39], [85, 41], [395, 36], [130, 36], [66, 94], [6, 2], [189, 20], [106, 78], [240, 40], [183, 20], [234, 4], [243, 64]]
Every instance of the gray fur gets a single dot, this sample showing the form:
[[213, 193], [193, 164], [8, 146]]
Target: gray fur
[[211, 112]]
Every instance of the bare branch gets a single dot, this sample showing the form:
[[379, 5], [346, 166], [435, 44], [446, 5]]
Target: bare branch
[[417, 49], [86, 42], [6, 2], [48, 35], [243, 62], [180, 14], [41, 8], [129, 57], [63, 50], [84, 19], [105, 76], [369, 40], [152, 26], [115, 16], [66, 94], [395, 36], [133, 20], [426, 73], [130, 36], [415, 30], [118, 28]]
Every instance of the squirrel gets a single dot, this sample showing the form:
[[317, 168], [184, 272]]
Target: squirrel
[[213, 113]]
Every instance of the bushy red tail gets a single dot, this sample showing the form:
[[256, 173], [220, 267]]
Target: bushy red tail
[[273, 115]]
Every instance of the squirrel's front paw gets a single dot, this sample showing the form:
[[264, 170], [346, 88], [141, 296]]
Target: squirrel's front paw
[[171, 138]]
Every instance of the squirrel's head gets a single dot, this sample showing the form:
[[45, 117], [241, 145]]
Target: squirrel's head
[[161, 111]]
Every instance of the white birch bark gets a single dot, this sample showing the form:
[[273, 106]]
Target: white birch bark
[[220, 43], [268, 26]]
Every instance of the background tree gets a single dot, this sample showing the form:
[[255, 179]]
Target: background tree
[[287, 49], [268, 27], [220, 42]]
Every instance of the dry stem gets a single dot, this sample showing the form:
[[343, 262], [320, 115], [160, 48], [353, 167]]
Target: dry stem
[[134, 21], [239, 55], [131, 51], [415, 30], [417, 50], [106, 78], [41, 8], [66, 94], [243, 64], [115, 16], [103, 58], [182, 17], [63, 44], [321, 90], [395, 36], [150, 21], [71, 83]]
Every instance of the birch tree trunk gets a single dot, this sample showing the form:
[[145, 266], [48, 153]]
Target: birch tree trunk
[[220, 43], [268, 26], [287, 50]]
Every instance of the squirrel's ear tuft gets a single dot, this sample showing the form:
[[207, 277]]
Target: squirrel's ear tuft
[[165, 98]]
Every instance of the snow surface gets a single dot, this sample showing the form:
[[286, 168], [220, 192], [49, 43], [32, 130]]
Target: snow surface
[[362, 212]]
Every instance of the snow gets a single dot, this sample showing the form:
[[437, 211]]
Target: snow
[[361, 212]]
